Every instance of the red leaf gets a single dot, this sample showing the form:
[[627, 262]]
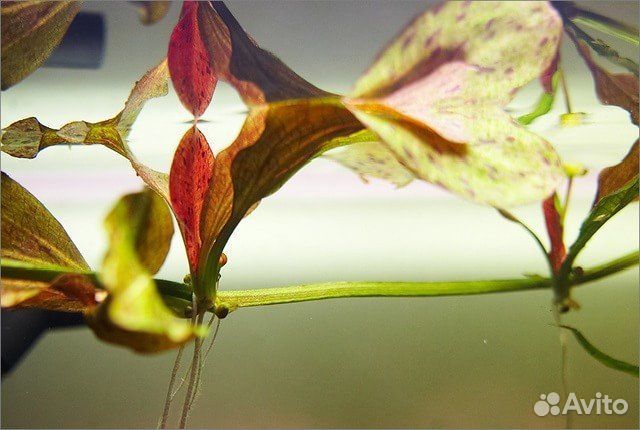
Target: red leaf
[[190, 63], [191, 171], [555, 232]]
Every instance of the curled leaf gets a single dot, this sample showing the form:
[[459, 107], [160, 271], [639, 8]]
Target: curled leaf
[[151, 12], [435, 97], [190, 61], [615, 177], [191, 172], [27, 137], [601, 356], [155, 230], [30, 32], [134, 314]]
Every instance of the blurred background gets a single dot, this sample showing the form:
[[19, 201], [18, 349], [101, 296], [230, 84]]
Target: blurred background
[[435, 362]]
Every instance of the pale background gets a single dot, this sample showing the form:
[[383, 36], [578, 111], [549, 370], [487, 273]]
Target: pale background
[[439, 362]]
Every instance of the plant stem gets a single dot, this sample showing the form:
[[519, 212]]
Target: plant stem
[[302, 293], [270, 296], [565, 91]]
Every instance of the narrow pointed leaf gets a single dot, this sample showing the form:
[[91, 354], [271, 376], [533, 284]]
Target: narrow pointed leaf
[[151, 12], [190, 61], [256, 74], [615, 177], [134, 314], [436, 95], [601, 356], [188, 182], [30, 32], [27, 137], [555, 230], [602, 212], [275, 141]]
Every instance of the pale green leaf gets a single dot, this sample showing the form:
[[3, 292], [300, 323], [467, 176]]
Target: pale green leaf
[[134, 314]]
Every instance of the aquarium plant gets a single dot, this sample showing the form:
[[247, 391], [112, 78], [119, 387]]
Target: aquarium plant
[[431, 107]]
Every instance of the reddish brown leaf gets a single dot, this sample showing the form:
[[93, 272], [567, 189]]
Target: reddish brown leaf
[[617, 89], [555, 229], [67, 293], [613, 178], [275, 142], [190, 62], [188, 182], [257, 75]]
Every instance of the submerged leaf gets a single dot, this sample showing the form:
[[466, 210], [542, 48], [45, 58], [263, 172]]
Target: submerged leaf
[[191, 172], [152, 11], [27, 137], [30, 32], [32, 236], [189, 61], [435, 97], [615, 177], [134, 314], [600, 356]]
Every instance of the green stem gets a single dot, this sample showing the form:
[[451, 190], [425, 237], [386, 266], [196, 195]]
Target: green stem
[[271, 296], [231, 300]]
